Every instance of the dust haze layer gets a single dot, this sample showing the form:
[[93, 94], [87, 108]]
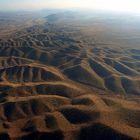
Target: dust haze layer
[[69, 75]]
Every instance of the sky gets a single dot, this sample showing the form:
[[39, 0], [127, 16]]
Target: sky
[[117, 5]]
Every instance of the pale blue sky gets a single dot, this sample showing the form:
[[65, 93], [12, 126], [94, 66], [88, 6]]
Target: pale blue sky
[[125, 5]]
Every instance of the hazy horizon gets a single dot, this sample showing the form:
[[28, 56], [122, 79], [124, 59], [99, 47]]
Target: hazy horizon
[[116, 5]]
